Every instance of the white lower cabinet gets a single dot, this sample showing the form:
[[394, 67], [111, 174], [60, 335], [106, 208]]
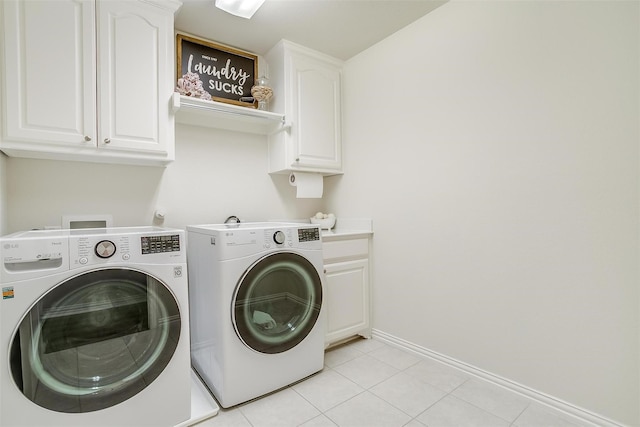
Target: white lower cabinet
[[347, 299]]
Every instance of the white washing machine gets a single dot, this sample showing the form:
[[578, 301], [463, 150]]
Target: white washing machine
[[255, 293], [95, 328]]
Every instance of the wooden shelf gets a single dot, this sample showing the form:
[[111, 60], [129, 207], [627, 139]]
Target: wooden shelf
[[213, 114]]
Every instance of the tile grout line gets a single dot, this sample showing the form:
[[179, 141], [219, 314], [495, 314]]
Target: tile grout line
[[513, 423], [334, 406]]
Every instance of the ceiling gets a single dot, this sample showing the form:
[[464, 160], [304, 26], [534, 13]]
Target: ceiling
[[340, 28]]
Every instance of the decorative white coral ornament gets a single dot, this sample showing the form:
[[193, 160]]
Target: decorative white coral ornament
[[191, 85]]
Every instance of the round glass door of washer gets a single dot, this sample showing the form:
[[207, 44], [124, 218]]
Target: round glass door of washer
[[277, 302], [95, 340]]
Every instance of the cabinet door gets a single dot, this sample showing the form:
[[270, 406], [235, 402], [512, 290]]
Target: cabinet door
[[50, 77], [316, 113], [134, 45], [347, 299]]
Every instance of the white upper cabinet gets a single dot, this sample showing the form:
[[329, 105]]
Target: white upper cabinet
[[135, 62], [49, 68], [307, 88], [89, 80]]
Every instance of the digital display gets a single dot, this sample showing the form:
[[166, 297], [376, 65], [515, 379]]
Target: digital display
[[308, 234], [160, 244]]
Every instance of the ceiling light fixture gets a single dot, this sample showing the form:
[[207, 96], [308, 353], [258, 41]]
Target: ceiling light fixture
[[242, 8]]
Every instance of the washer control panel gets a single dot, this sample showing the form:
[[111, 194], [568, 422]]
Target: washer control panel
[[96, 248], [160, 244], [279, 237], [105, 249]]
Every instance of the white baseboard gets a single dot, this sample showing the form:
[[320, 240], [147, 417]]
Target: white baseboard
[[539, 397]]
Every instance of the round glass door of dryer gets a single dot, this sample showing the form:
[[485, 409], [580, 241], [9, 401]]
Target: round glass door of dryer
[[277, 302], [95, 340]]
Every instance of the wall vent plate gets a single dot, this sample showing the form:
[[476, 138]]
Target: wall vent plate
[[74, 222]]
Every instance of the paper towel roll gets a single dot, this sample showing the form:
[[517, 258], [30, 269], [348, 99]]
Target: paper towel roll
[[308, 185]]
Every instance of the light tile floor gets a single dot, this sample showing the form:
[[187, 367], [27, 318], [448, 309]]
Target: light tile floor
[[369, 383]]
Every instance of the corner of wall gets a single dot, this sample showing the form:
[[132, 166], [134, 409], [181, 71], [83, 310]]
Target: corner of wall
[[3, 194]]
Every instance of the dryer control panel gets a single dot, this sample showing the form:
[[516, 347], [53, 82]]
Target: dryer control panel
[[308, 234], [290, 237], [231, 241]]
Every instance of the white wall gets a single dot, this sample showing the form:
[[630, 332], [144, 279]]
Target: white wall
[[496, 147], [3, 195], [216, 174]]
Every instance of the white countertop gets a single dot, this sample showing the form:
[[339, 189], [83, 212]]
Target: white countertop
[[349, 228]]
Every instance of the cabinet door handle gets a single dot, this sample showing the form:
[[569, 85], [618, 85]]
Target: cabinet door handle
[[87, 138], [107, 140]]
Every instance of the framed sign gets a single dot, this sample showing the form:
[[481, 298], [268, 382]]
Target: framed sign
[[227, 74]]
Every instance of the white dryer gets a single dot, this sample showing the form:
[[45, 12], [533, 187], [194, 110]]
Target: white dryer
[[95, 328], [255, 293]]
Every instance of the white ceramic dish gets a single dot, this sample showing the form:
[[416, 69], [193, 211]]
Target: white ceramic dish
[[325, 223]]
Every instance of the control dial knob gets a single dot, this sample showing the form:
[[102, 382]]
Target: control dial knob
[[278, 237], [105, 249]]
